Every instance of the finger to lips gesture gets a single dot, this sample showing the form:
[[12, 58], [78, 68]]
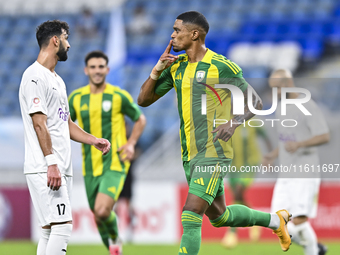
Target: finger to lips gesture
[[166, 58]]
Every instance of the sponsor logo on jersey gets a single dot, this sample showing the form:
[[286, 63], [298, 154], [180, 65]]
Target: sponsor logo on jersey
[[200, 76], [36, 100], [107, 105], [63, 115]]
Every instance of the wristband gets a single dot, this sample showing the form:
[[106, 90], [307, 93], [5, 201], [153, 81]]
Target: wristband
[[51, 159], [160, 66], [154, 76]]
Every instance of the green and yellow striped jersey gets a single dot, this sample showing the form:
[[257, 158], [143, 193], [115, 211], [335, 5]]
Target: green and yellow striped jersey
[[191, 81], [102, 115]]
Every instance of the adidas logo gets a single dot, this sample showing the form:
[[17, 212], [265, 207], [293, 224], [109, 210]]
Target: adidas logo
[[84, 107], [199, 181], [179, 76], [183, 250]]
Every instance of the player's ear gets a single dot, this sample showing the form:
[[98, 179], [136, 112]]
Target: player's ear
[[195, 35], [55, 40], [85, 70]]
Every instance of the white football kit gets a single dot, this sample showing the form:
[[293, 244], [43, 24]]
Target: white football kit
[[44, 91], [299, 193]]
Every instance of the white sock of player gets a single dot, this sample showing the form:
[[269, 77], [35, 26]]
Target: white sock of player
[[274, 221], [293, 231], [308, 238], [59, 237], [42, 244]]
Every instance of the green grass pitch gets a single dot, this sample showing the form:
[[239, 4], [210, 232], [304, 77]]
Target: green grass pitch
[[262, 248]]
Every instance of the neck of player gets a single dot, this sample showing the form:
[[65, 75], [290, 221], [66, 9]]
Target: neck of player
[[96, 89], [47, 60], [196, 52]]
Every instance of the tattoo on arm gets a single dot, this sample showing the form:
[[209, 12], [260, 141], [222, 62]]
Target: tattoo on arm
[[256, 102]]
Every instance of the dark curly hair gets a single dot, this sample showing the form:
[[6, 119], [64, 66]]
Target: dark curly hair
[[96, 54], [48, 29]]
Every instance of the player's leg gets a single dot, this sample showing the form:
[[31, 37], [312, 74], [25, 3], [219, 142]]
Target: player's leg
[[242, 216], [230, 239], [304, 206], [43, 240], [92, 186], [110, 187], [52, 207]]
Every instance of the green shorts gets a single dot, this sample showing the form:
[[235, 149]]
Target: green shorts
[[110, 183], [207, 186]]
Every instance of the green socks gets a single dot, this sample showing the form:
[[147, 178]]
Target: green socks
[[112, 226], [241, 216], [104, 234], [191, 238], [108, 229]]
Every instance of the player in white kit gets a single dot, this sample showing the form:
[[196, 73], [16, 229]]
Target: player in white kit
[[297, 146], [48, 130]]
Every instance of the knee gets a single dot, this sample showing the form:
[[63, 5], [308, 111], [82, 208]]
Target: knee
[[299, 220], [102, 213], [193, 209]]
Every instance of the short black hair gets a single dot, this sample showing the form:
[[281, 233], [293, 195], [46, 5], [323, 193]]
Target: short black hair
[[48, 29], [196, 18], [96, 54]]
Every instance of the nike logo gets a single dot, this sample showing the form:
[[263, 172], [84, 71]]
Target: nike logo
[[36, 82]]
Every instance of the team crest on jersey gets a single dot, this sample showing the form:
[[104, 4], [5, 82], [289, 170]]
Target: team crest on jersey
[[107, 105], [200, 76]]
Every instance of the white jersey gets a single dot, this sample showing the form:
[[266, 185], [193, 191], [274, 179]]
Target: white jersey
[[307, 127], [44, 91]]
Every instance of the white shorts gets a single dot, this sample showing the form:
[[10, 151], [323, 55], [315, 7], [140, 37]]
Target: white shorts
[[51, 206], [298, 196]]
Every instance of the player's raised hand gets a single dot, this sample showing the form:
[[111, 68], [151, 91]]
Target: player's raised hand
[[53, 177], [103, 145], [127, 152], [166, 58]]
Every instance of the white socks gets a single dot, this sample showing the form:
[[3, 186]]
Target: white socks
[[59, 237], [304, 235], [42, 244], [274, 221]]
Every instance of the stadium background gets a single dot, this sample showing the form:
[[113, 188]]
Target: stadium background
[[259, 35]]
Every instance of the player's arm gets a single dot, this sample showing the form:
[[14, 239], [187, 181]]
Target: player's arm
[[270, 157], [128, 149], [314, 141], [147, 94], [226, 131], [318, 127], [77, 134], [53, 174]]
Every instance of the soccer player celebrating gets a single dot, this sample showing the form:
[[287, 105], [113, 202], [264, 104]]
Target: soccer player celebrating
[[194, 75], [298, 146], [48, 130], [100, 109]]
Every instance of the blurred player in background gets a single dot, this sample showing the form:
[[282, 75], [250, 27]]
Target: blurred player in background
[[188, 74], [247, 152], [298, 146], [48, 129], [100, 108]]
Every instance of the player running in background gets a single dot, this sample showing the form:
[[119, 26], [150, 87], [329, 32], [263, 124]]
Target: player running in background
[[247, 152], [48, 129], [298, 146], [194, 75], [100, 108]]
